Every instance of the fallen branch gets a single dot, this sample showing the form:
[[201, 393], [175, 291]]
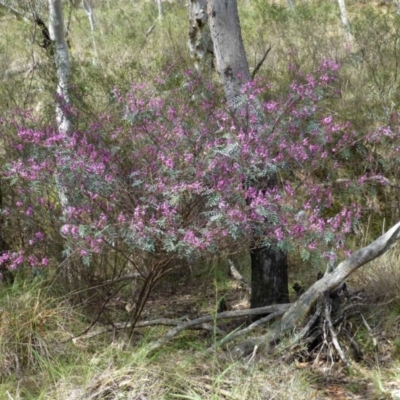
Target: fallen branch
[[209, 318], [155, 322], [378, 178], [24, 69], [13, 11], [299, 310], [249, 328]]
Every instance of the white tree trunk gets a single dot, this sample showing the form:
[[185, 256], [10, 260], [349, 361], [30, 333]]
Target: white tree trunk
[[343, 17], [159, 7], [88, 7], [64, 122], [200, 43], [230, 55], [57, 35]]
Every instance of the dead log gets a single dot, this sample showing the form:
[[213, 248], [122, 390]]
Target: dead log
[[299, 310]]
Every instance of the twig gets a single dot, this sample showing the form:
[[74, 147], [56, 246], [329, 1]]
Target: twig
[[224, 392], [303, 333], [380, 179], [374, 341], [260, 63], [143, 324], [150, 29], [323, 344], [250, 328], [335, 340], [253, 355], [353, 343]]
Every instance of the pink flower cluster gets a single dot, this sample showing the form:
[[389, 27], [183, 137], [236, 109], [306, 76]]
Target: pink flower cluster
[[182, 178]]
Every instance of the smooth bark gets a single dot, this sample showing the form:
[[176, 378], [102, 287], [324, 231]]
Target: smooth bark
[[88, 7], [159, 8], [230, 55], [343, 17]]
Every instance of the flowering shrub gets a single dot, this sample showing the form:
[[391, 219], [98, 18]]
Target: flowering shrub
[[176, 175]]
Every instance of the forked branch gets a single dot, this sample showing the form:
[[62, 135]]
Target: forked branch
[[299, 310]]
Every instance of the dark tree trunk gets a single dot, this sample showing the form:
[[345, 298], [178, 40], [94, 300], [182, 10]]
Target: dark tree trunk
[[8, 276], [269, 277]]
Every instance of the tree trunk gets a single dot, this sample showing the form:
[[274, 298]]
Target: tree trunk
[[291, 4], [5, 273], [269, 277], [200, 43], [88, 7], [63, 103], [229, 51], [343, 17], [268, 264], [57, 35]]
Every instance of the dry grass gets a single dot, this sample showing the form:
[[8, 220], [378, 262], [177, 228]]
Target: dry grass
[[182, 375], [381, 279]]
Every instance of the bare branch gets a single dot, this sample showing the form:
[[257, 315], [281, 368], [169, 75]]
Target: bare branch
[[250, 328], [155, 322], [377, 178], [209, 318], [300, 309], [260, 63], [13, 11], [335, 340]]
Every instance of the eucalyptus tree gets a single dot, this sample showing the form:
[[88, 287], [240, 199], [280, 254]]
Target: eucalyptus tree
[[200, 43], [344, 18], [159, 9], [269, 268], [88, 7]]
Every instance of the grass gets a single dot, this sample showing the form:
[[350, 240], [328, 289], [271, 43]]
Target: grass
[[40, 361]]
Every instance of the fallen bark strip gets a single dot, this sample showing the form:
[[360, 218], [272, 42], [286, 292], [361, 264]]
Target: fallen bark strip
[[237, 276], [210, 318], [299, 310]]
